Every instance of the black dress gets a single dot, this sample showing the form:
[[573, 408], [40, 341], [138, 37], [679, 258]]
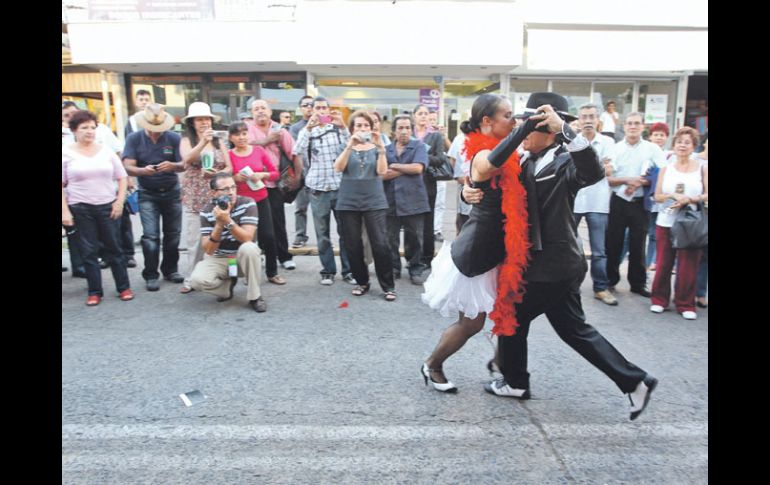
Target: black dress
[[480, 246]]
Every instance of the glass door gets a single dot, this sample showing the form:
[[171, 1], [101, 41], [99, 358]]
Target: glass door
[[623, 95]]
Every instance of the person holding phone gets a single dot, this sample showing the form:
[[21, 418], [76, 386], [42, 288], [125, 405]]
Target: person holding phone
[[199, 144], [361, 201], [153, 156], [321, 142]]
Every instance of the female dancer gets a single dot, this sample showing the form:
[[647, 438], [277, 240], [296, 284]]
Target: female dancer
[[466, 275]]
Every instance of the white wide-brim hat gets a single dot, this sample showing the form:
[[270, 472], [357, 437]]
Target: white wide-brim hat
[[155, 118], [201, 109]]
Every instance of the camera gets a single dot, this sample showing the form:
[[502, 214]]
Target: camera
[[365, 137], [325, 119], [223, 201]]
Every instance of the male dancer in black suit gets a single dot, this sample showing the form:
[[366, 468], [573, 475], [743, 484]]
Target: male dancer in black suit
[[552, 173]]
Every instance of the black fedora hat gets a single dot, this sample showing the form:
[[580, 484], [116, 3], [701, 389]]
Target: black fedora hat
[[557, 102]]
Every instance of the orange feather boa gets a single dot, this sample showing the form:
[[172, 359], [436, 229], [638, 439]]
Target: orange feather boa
[[514, 206]]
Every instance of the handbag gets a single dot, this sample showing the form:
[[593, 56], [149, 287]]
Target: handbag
[[286, 167], [691, 228], [445, 171], [132, 202], [442, 172]]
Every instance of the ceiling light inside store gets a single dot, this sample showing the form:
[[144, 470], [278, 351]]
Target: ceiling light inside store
[[350, 83]]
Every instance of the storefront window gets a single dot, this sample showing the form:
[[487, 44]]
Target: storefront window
[[387, 96], [176, 97], [577, 93], [459, 96], [657, 100], [623, 95], [521, 88]]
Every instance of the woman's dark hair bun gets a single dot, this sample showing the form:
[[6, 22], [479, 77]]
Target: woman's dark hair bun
[[465, 127]]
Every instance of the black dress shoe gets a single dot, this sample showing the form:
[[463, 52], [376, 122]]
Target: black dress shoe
[[642, 291], [641, 396], [79, 274], [64, 268], [153, 284], [233, 282]]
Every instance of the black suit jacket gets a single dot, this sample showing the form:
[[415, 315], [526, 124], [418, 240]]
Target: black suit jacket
[[556, 253]]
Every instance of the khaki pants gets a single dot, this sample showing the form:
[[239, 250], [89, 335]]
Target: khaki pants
[[210, 275], [193, 240]]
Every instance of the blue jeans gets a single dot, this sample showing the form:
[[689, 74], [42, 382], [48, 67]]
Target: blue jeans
[[322, 204], [95, 230], [153, 205], [597, 232], [652, 241], [702, 285]]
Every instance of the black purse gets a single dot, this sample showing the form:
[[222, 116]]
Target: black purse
[[691, 228], [445, 171], [286, 167]]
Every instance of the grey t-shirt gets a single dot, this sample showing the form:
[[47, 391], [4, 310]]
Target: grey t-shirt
[[361, 188]]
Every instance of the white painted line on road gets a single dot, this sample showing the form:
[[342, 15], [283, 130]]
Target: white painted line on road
[[286, 432], [291, 432]]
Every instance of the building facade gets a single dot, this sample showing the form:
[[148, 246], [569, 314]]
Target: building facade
[[389, 56]]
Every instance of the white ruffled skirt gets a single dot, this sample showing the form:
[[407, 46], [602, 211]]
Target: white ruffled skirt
[[449, 291]]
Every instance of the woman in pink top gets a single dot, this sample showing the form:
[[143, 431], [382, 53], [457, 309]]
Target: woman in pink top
[[251, 169], [89, 171]]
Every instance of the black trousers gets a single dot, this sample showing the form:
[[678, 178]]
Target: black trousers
[[265, 237], [560, 301], [412, 242], [631, 215], [428, 242], [376, 229], [279, 224], [126, 236]]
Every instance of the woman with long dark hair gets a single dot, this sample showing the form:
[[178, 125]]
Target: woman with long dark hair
[[481, 270], [203, 155]]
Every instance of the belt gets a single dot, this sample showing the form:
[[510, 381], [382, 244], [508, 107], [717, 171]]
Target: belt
[[162, 189]]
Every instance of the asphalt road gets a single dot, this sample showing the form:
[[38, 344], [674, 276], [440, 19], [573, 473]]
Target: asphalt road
[[309, 392]]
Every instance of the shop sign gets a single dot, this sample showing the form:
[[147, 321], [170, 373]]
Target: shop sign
[[655, 108], [431, 98]]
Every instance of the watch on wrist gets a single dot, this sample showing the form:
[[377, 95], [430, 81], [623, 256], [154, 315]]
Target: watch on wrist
[[229, 225]]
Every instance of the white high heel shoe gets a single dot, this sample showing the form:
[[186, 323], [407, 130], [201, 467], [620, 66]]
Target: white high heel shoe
[[439, 386]]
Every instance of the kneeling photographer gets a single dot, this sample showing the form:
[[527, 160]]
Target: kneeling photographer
[[228, 224]]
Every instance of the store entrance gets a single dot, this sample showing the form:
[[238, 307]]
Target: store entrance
[[697, 113], [228, 105]]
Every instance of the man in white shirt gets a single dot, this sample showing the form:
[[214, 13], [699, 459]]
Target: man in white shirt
[[633, 158], [609, 119], [593, 203]]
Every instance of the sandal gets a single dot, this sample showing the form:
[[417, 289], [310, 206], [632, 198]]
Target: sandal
[[361, 290], [277, 279], [390, 296]]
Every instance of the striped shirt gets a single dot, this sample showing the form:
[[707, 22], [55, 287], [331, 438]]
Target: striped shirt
[[245, 212]]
